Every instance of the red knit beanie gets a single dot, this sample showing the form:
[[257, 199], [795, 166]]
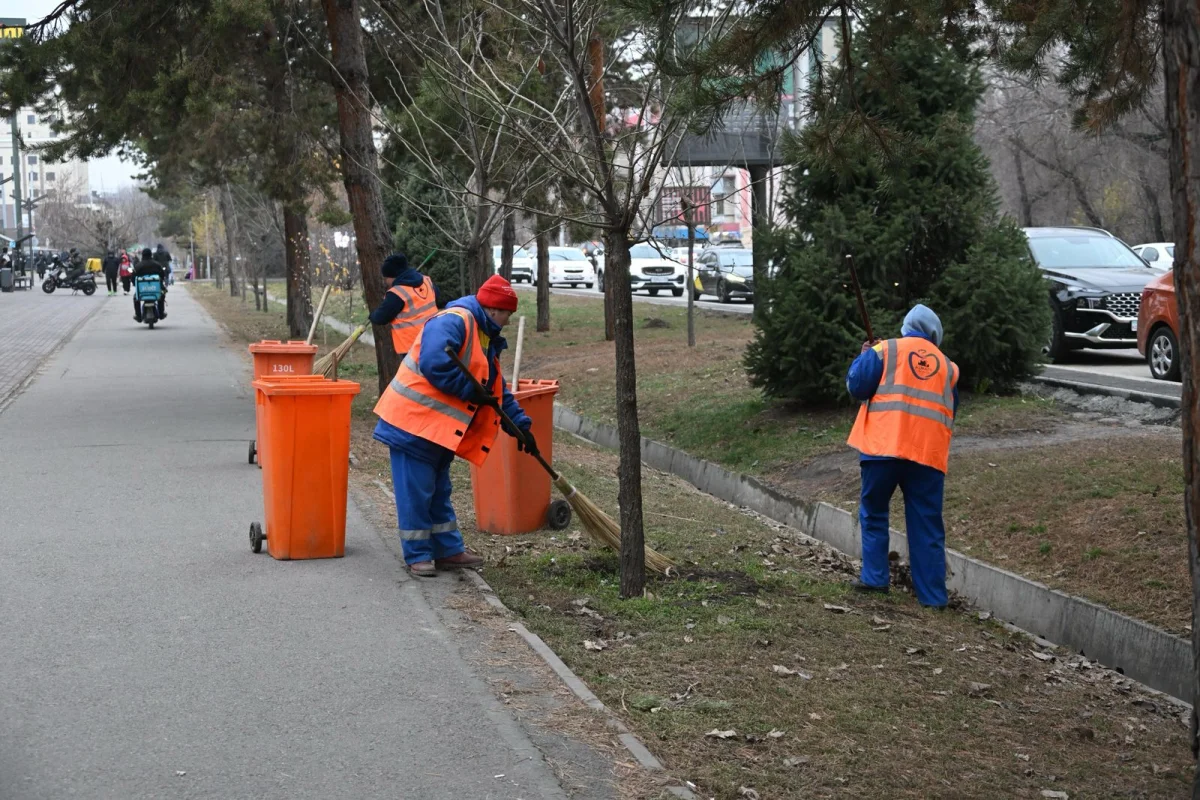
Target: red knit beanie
[[497, 293]]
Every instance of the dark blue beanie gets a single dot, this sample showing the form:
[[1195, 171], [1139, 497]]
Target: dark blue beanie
[[394, 264]]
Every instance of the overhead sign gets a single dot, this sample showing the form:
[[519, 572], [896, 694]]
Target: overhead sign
[[11, 28]]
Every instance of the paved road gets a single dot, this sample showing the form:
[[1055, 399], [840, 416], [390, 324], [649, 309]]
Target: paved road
[[1124, 369], [146, 652], [32, 324], [736, 307]]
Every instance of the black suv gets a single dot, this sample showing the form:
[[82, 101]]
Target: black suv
[[1096, 286]]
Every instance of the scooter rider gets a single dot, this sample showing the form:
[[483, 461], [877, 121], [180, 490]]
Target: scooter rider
[[148, 266], [74, 264]]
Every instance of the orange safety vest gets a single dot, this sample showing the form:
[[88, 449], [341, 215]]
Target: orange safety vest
[[911, 415], [419, 307], [413, 404]]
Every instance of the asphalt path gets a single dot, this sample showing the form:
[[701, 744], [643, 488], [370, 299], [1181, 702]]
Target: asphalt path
[[146, 652]]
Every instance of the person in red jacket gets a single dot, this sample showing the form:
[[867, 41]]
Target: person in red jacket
[[125, 271]]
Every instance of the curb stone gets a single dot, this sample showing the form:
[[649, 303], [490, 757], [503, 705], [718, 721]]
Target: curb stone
[[572, 681]]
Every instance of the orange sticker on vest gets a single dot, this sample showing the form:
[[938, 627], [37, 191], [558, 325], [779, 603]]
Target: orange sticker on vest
[[924, 365]]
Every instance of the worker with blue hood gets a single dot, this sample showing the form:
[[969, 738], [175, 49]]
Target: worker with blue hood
[[909, 395]]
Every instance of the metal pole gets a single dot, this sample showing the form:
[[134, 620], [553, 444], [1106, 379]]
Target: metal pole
[[18, 167], [207, 257]]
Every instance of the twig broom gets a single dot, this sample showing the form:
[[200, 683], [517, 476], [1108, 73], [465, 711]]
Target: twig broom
[[600, 526], [327, 364]]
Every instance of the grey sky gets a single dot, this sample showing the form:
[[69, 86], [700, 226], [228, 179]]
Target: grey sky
[[105, 173]]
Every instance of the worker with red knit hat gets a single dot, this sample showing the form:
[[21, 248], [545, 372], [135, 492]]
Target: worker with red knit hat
[[431, 413]]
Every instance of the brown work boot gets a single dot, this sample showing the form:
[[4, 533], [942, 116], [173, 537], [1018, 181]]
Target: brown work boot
[[464, 560], [422, 569]]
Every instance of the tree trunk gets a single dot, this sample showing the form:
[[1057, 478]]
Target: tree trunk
[[1181, 53], [543, 278], [225, 203], [479, 258], [1158, 232], [299, 284], [1024, 200], [257, 298], [760, 223], [508, 242], [360, 165], [690, 288], [610, 330], [629, 435]]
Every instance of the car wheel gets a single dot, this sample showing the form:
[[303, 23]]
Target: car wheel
[[1056, 348], [677, 292], [696, 294], [1162, 354], [723, 292]]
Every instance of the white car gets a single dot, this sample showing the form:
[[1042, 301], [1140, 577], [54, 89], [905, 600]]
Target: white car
[[651, 270], [570, 267], [1160, 255], [523, 264]]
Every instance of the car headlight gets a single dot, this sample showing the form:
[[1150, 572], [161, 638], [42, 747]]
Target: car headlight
[[1073, 291], [735, 278]]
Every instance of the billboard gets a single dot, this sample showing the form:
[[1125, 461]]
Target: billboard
[[11, 28]]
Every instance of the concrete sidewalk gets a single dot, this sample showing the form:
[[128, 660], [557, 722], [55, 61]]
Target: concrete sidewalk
[[146, 652]]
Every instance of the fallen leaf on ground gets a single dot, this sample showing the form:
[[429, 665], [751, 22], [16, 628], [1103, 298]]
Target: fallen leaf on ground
[[747, 792], [814, 716], [720, 734], [914, 651], [977, 689], [937, 671], [1040, 656], [688, 640], [882, 628], [836, 609], [985, 615], [779, 669], [775, 734], [597, 645], [724, 620], [1022, 756], [1053, 795], [878, 621], [795, 761]]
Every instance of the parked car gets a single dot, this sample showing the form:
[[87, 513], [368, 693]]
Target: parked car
[[1096, 285], [652, 270], [1158, 328], [726, 272], [523, 264], [1160, 255], [569, 266]]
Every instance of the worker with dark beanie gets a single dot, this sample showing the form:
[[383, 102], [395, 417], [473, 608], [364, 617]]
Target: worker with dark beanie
[[410, 302], [432, 412]]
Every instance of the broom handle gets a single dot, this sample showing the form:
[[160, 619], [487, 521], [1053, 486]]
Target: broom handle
[[858, 293], [516, 381], [495, 406], [317, 317]]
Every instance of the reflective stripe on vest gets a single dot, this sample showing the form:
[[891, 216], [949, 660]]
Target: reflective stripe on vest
[[415, 405], [420, 306], [904, 419]]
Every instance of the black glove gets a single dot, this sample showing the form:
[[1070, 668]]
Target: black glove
[[526, 443], [480, 396]]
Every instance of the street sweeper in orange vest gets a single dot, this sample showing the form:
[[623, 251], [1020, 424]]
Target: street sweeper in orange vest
[[431, 413], [410, 302]]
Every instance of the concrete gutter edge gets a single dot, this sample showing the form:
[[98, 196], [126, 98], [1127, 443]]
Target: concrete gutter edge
[[573, 682], [1140, 651], [1082, 387]]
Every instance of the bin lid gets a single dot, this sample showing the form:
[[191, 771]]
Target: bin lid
[[527, 389], [277, 346], [317, 386]]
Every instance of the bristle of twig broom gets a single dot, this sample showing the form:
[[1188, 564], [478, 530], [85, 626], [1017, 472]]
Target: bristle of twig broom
[[325, 364], [602, 527]]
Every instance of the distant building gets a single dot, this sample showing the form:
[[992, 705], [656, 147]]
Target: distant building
[[38, 176]]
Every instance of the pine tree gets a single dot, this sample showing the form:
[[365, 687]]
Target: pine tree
[[910, 196]]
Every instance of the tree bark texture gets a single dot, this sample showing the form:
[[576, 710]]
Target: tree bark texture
[[360, 165], [1181, 54], [629, 434], [227, 214], [508, 243], [543, 279], [1022, 189], [479, 264], [760, 223], [610, 330], [299, 291]]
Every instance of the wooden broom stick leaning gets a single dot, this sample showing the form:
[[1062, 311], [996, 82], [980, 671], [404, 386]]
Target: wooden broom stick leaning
[[327, 364], [517, 358], [600, 526], [317, 317]]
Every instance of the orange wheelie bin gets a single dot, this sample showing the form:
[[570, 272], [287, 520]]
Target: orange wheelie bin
[[306, 430], [512, 491], [275, 359]]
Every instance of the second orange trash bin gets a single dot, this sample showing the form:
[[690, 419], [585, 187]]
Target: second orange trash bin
[[306, 428], [276, 359], [512, 491]]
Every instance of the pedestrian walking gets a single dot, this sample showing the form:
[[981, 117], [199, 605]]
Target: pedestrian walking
[[431, 412], [908, 389], [410, 302], [126, 270], [112, 267]]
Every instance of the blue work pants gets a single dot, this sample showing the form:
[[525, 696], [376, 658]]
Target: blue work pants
[[922, 487], [428, 527]]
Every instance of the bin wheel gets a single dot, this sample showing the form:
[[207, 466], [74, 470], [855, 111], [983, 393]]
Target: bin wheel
[[256, 537], [558, 517], [253, 452]]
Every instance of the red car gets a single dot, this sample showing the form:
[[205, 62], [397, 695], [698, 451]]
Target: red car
[[1158, 328]]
